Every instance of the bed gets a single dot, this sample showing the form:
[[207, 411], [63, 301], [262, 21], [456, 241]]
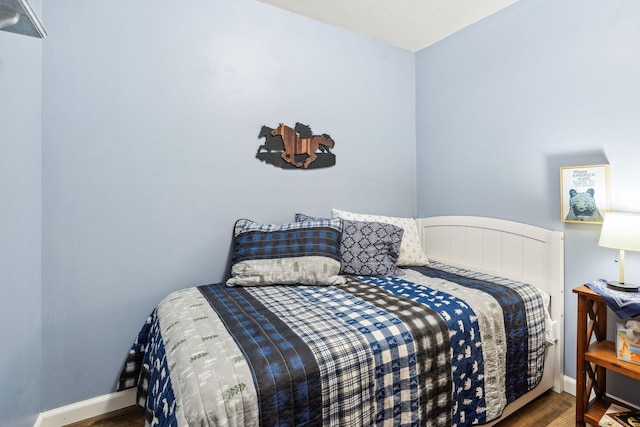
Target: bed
[[466, 339]]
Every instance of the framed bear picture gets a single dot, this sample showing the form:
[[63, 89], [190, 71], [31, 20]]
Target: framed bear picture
[[584, 193]]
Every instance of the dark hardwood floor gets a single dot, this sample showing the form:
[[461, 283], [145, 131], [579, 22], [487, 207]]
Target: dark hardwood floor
[[551, 410]]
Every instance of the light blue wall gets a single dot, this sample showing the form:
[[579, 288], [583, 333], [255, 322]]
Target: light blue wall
[[151, 112], [503, 104], [20, 228], [150, 126]]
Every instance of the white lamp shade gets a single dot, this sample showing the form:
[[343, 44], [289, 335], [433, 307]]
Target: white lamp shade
[[621, 231]]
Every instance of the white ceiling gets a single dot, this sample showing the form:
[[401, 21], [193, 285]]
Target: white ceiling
[[408, 24]]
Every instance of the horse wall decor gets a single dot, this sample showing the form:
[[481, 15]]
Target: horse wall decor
[[296, 147]]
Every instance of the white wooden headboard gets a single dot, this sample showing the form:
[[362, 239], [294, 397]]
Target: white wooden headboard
[[503, 248]]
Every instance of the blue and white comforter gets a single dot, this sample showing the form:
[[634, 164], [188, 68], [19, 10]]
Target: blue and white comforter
[[437, 346]]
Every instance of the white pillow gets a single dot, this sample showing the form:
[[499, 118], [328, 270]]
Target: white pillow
[[411, 253]]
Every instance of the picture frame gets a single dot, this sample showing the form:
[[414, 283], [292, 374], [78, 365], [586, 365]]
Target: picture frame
[[584, 193]]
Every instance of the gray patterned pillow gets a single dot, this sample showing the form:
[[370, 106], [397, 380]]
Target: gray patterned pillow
[[300, 217], [411, 252], [370, 248]]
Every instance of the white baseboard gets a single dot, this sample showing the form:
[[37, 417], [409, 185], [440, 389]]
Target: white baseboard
[[86, 409], [570, 385]]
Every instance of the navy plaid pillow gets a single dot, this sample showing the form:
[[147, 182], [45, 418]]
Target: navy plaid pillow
[[305, 253]]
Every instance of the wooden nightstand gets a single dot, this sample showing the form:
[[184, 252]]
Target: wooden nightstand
[[595, 355]]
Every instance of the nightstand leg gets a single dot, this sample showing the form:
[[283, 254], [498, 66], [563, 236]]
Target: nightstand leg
[[581, 374], [592, 320]]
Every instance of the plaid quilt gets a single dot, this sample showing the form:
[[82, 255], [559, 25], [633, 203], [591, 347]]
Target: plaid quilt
[[437, 346]]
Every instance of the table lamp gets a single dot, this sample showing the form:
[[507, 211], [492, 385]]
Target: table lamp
[[621, 231]]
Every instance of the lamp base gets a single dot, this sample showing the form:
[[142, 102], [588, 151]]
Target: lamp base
[[624, 287]]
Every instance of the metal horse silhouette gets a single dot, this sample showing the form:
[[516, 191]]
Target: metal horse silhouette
[[297, 147], [271, 143]]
